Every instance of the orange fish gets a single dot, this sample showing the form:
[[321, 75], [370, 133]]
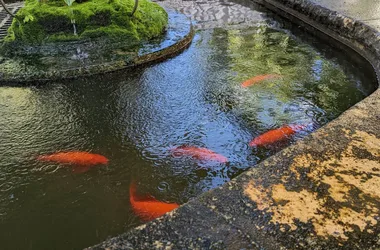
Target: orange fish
[[259, 78], [148, 208], [82, 159], [275, 135], [199, 153]]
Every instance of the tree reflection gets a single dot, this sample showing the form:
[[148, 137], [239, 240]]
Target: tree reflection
[[312, 88]]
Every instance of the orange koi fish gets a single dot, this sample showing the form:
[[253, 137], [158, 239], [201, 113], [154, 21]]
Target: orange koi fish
[[148, 208], [276, 135], [75, 158], [199, 153], [259, 78]]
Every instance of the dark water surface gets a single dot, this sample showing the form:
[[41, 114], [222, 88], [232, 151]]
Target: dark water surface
[[134, 118]]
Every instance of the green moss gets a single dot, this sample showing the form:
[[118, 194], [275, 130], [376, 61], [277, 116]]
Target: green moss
[[53, 21]]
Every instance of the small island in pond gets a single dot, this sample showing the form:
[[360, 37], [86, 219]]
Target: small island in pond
[[46, 21], [60, 39]]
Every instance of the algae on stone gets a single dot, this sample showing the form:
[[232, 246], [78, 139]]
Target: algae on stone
[[53, 21]]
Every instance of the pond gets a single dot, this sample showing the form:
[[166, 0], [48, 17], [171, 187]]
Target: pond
[[140, 119]]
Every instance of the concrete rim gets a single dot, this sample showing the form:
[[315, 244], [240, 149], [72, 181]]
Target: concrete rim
[[344, 34]]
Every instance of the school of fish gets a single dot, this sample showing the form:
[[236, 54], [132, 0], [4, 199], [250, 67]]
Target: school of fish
[[148, 208]]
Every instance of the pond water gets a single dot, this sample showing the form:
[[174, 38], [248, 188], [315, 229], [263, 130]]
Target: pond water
[[135, 118]]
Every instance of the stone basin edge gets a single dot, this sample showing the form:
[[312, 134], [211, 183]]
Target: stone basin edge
[[182, 41], [323, 192]]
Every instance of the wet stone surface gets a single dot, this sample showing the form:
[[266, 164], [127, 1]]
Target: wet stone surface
[[213, 14], [367, 11]]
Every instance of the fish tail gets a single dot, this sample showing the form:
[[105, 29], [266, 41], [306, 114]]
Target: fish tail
[[247, 83], [297, 127], [43, 158]]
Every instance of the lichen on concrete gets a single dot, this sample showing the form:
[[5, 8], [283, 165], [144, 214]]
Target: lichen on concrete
[[340, 175]]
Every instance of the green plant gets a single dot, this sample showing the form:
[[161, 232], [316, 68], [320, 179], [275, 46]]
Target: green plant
[[28, 18], [52, 21]]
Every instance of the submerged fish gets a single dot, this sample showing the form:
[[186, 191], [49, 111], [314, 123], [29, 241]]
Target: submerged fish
[[203, 154], [148, 208], [275, 135], [83, 159], [259, 78]]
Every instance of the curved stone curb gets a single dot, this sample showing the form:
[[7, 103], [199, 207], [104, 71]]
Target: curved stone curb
[[178, 36], [323, 192], [358, 36]]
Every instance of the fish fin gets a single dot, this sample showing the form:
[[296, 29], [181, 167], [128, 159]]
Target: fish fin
[[42, 158], [298, 127], [132, 190]]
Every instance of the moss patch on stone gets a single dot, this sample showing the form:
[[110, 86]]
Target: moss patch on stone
[[53, 21]]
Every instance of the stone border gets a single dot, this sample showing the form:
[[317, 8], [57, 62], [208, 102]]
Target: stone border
[[323, 192], [180, 31], [354, 34]]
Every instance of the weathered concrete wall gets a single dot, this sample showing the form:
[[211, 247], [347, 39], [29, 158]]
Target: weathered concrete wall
[[321, 193], [366, 11]]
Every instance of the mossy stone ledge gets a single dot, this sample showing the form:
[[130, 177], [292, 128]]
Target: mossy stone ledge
[[107, 39], [40, 22]]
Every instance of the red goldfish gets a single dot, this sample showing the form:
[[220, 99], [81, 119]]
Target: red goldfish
[[148, 208], [259, 78], [275, 135], [199, 153], [82, 159]]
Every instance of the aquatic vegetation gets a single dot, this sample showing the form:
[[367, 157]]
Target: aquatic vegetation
[[148, 208], [53, 21], [309, 79]]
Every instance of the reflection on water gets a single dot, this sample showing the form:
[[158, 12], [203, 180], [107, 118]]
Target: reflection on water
[[135, 118]]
